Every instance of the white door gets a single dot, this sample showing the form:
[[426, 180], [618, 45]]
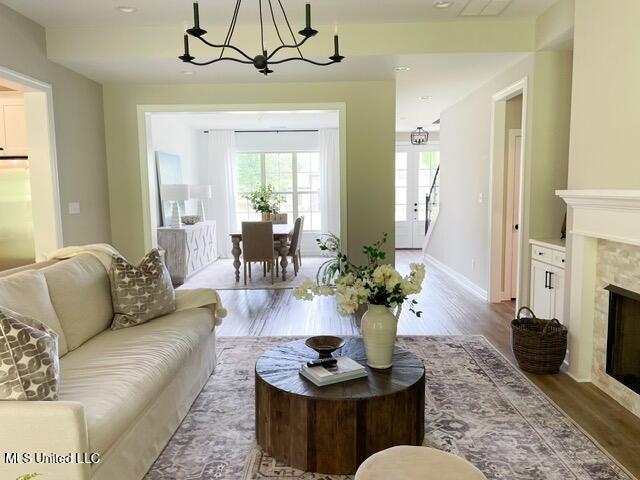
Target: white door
[[512, 212], [557, 285], [13, 128], [541, 295], [415, 172]]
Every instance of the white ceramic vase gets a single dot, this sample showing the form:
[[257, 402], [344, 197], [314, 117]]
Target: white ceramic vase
[[379, 327]]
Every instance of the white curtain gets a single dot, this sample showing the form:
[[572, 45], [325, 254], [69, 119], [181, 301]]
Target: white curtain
[[221, 177], [329, 148]]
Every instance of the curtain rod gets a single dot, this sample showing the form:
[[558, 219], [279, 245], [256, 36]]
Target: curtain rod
[[14, 157], [270, 131]]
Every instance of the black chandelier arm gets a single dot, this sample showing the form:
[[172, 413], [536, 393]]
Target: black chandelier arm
[[293, 36], [226, 46], [302, 59], [282, 47], [220, 59], [232, 26], [275, 23]]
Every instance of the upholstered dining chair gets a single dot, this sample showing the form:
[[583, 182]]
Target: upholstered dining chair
[[294, 246], [258, 247]]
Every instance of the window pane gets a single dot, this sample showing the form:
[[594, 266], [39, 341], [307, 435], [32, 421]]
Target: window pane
[[401, 213], [279, 171], [401, 178], [401, 195], [248, 175], [401, 160]]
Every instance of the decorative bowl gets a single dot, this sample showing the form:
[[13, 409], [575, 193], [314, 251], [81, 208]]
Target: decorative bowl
[[190, 219], [325, 345]]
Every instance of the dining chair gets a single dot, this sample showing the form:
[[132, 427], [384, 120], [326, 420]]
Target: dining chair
[[294, 245], [258, 247]]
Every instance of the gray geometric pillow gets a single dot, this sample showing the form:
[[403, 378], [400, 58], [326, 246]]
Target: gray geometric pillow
[[140, 292], [29, 365]]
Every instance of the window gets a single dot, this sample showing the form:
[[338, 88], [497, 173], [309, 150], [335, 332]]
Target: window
[[294, 175], [401, 186]]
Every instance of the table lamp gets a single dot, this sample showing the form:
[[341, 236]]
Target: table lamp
[[201, 193], [175, 193]]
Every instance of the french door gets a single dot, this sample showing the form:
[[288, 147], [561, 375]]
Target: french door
[[415, 171]]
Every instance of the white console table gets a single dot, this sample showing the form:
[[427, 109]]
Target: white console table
[[188, 249]]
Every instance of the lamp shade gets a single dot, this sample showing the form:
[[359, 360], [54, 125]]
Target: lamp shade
[[201, 192], [176, 192]]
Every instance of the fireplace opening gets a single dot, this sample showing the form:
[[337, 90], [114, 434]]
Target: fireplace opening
[[623, 341]]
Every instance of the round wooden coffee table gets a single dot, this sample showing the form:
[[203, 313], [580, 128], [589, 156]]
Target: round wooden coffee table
[[333, 429]]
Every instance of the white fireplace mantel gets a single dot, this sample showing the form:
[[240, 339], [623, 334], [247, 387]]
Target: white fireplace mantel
[[608, 214], [593, 215]]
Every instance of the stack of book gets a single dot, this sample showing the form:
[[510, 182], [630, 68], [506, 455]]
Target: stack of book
[[345, 369]]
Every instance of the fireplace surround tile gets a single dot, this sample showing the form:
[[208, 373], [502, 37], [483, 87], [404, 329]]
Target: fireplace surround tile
[[617, 264]]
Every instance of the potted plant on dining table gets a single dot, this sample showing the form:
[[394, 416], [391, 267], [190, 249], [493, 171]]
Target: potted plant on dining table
[[378, 285], [265, 201]]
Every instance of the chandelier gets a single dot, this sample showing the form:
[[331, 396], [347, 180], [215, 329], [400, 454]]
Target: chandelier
[[265, 58], [419, 136]]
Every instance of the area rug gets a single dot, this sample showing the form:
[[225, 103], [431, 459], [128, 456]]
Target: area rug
[[478, 406], [221, 276]]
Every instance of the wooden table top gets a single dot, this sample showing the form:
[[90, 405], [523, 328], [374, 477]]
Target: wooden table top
[[279, 368], [278, 229]]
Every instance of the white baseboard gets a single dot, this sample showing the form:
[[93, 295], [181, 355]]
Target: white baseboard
[[461, 279]]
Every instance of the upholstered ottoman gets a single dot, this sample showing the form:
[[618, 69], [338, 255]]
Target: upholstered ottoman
[[416, 463]]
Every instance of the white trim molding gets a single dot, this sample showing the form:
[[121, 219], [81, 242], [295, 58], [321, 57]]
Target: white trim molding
[[458, 277], [602, 199]]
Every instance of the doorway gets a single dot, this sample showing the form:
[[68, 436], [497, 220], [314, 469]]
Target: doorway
[[508, 230], [30, 220], [416, 172]]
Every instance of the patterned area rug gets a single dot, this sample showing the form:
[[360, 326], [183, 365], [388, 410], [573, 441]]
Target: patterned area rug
[[478, 406]]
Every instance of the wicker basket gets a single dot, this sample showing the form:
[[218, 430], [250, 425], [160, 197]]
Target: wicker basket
[[538, 345]]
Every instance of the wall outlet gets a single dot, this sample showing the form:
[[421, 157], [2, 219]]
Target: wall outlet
[[74, 208], [473, 264]]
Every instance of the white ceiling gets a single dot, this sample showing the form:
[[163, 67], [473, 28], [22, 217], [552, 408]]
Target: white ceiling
[[446, 78], [281, 120], [60, 13]]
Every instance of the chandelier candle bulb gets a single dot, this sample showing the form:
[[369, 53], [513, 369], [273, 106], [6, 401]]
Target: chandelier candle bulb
[[196, 15], [186, 44], [308, 14]]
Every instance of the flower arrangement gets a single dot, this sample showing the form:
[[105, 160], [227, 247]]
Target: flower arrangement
[[353, 286], [265, 199]]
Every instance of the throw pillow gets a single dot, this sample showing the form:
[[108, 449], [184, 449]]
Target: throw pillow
[[140, 292], [29, 365]]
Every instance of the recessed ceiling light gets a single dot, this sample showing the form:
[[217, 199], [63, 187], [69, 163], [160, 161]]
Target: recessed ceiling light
[[442, 4], [425, 98], [188, 72], [402, 69], [126, 9]]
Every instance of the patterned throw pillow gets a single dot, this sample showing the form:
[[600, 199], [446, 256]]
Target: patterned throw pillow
[[29, 365], [140, 292]]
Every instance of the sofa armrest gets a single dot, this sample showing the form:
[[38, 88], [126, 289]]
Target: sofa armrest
[[56, 427], [201, 297]]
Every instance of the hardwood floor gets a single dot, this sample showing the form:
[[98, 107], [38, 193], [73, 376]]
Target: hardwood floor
[[448, 309]]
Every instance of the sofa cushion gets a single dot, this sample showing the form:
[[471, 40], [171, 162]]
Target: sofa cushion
[[140, 292], [29, 365], [80, 293], [27, 294], [117, 374]]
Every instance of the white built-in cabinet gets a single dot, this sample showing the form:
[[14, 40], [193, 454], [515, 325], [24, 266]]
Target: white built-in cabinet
[[547, 278], [13, 126]]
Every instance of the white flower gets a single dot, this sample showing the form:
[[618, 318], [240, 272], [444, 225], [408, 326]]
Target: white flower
[[386, 276]]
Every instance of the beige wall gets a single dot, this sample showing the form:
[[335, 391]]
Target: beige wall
[[605, 96], [79, 127], [370, 143], [461, 234]]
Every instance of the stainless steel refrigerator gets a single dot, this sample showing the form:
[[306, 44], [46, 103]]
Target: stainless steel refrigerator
[[16, 218]]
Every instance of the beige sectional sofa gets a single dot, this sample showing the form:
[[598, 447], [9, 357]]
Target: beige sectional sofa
[[122, 394]]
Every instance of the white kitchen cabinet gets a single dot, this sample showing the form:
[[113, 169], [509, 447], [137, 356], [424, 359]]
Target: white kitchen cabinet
[[547, 279], [13, 126]]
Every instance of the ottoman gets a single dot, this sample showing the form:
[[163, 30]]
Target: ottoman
[[416, 463]]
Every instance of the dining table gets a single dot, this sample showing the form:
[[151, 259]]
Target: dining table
[[281, 233]]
